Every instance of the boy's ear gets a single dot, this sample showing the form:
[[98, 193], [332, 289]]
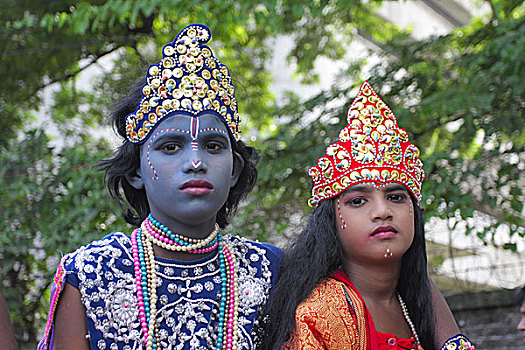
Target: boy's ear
[[135, 179], [238, 166]]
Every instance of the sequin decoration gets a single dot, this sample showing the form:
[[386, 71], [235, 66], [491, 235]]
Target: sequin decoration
[[188, 307], [371, 148], [458, 342], [189, 79]]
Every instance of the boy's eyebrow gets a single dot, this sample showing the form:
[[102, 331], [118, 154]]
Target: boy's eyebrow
[[168, 133], [214, 132]]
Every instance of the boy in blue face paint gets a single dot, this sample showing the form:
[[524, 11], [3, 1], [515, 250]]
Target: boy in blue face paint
[[176, 282]]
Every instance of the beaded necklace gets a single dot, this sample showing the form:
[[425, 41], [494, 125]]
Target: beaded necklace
[[153, 232], [407, 317]]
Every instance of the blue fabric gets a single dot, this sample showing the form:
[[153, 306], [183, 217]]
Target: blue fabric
[[187, 307], [458, 342]]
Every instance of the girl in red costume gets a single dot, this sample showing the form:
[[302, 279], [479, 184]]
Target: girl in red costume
[[356, 277]]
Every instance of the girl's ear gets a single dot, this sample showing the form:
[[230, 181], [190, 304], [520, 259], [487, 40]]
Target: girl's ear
[[238, 166], [135, 179]]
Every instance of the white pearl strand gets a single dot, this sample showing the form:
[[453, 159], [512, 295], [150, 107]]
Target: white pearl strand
[[407, 317]]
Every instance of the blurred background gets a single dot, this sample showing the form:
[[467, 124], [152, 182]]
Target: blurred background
[[451, 70]]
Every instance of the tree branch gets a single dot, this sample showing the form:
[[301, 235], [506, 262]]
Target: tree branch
[[494, 12], [97, 56]]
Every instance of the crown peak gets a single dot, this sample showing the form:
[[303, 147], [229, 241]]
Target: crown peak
[[371, 148], [188, 79]]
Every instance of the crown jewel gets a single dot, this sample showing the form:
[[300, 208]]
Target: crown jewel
[[371, 148], [188, 79]]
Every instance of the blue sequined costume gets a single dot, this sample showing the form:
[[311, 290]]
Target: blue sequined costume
[[187, 294]]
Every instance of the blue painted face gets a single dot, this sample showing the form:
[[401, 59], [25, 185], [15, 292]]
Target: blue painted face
[[187, 168]]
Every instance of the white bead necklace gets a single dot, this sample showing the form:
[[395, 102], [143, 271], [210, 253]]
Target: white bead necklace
[[407, 317]]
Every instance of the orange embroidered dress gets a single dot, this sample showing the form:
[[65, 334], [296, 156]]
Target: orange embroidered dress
[[335, 317]]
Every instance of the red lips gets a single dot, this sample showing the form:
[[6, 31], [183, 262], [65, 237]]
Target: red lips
[[196, 187], [196, 183], [384, 232]]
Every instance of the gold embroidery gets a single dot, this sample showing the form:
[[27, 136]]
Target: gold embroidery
[[324, 320]]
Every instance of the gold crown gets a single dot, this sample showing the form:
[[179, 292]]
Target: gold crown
[[371, 148], [189, 80]]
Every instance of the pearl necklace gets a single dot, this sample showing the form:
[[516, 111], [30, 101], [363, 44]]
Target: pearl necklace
[[163, 237], [152, 232], [407, 317]]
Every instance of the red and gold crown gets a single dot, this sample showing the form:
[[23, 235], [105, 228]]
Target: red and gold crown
[[371, 148], [189, 80]]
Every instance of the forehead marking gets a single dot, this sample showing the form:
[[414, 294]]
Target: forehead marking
[[214, 129], [194, 127]]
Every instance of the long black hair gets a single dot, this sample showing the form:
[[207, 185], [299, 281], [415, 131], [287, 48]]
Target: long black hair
[[126, 161], [317, 253]]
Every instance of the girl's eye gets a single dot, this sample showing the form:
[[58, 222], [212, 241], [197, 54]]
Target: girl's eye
[[356, 201], [397, 197]]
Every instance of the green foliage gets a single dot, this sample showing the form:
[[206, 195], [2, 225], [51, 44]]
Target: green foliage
[[51, 203], [461, 97]]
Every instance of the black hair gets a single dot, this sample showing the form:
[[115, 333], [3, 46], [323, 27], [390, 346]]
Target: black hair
[[520, 297], [126, 160], [317, 253]]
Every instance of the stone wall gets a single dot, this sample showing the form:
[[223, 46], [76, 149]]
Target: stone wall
[[489, 319]]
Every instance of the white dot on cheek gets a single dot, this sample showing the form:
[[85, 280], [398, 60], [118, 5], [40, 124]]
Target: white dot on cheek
[[343, 223]]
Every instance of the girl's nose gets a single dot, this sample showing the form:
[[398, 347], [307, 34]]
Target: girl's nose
[[381, 210]]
